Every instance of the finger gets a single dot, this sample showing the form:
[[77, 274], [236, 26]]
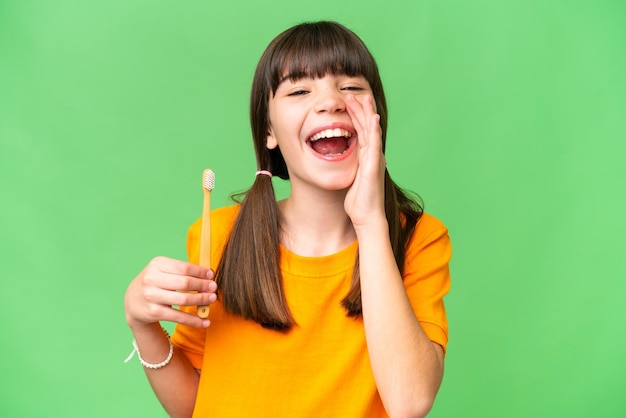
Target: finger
[[184, 318], [162, 297], [194, 299], [178, 275], [170, 282], [368, 103], [356, 112], [182, 268], [175, 282], [367, 122], [362, 104], [374, 127]]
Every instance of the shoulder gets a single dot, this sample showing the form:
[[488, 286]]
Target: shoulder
[[225, 214], [430, 241], [222, 220], [426, 226]]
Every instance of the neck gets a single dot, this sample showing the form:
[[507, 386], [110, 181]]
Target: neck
[[315, 225]]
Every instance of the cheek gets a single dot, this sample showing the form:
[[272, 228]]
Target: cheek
[[271, 141], [284, 121]]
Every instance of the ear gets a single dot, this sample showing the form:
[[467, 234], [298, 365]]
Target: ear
[[271, 142]]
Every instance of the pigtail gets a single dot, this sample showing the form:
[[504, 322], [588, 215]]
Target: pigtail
[[248, 274], [402, 213]]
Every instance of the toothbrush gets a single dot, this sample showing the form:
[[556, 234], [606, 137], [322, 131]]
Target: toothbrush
[[208, 181]]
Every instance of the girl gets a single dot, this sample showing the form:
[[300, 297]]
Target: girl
[[327, 303]]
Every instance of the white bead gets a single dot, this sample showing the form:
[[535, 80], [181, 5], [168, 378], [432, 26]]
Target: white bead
[[151, 365]]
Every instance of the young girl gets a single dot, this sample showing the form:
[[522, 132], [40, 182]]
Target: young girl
[[328, 303]]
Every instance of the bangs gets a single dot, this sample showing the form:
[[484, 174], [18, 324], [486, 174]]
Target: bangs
[[315, 50]]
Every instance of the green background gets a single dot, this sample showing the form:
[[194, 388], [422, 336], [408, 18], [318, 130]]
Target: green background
[[507, 117]]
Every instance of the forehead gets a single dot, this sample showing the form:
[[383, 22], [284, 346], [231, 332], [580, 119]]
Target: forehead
[[297, 60]]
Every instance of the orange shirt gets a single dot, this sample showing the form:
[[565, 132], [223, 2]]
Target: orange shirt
[[321, 367]]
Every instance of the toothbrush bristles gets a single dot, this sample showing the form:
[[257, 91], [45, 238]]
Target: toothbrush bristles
[[208, 179]]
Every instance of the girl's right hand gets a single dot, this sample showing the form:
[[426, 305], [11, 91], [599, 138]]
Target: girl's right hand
[[165, 282]]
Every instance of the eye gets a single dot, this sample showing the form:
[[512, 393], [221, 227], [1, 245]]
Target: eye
[[298, 93], [353, 88]]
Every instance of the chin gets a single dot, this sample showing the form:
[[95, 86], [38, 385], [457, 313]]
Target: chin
[[340, 181]]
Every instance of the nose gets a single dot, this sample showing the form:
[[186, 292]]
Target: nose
[[331, 101]]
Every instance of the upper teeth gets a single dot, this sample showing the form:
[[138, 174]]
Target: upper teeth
[[331, 133]]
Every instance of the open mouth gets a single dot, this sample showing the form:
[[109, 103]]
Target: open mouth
[[331, 142]]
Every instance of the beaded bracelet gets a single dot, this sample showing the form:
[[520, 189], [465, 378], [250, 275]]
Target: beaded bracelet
[[151, 365]]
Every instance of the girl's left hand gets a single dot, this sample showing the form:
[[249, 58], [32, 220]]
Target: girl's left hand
[[364, 201]]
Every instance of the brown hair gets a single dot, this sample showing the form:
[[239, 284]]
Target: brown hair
[[249, 274]]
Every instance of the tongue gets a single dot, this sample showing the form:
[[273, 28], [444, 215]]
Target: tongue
[[330, 145]]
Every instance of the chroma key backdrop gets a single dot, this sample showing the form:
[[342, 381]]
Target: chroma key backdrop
[[508, 118]]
